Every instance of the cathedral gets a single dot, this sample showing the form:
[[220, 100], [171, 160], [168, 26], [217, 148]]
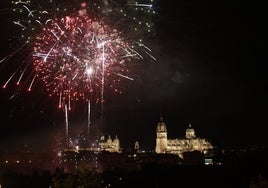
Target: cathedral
[[179, 145], [111, 145]]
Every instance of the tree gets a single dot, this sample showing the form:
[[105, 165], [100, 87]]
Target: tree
[[260, 183]]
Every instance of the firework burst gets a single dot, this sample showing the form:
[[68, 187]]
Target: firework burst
[[78, 48], [74, 54]]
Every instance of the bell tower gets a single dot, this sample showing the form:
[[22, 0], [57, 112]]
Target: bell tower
[[161, 136]]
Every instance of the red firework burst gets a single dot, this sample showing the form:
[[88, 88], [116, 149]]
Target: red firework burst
[[75, 55]]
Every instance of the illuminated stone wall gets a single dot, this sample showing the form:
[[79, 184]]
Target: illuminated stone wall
[[179, 145]]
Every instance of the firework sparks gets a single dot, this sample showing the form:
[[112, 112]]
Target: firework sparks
[[74, 62], [77, 51]]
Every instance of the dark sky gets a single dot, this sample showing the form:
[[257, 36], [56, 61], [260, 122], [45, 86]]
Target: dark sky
[[210, 72]]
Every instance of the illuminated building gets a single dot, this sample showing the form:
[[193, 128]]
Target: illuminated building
[[111, 145], [179, 145]]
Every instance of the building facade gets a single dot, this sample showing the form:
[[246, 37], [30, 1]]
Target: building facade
[[111, 145], [179, 145]]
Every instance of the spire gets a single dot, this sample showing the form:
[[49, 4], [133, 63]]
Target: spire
[[161, 118]]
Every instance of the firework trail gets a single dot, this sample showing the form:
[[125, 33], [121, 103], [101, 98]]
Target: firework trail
[[77, 49], [66, 124]]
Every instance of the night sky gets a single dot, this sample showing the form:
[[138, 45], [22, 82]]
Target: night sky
[[210, 72]]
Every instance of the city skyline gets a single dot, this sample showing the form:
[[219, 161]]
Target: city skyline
[[210, 72]]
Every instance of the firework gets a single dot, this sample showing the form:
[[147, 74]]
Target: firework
[[74, 54], [78, 48]]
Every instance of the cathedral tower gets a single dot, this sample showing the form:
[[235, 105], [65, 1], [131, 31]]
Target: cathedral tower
[[161, 136]]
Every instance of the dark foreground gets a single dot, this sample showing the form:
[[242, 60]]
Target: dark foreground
[[246, 169]]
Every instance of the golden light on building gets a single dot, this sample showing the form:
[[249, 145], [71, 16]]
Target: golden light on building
[[179, 145]]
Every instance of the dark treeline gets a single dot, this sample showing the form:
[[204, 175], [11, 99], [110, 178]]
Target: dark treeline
[[245, 169]]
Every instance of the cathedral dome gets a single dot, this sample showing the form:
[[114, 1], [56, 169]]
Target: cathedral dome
[[190, 133]]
